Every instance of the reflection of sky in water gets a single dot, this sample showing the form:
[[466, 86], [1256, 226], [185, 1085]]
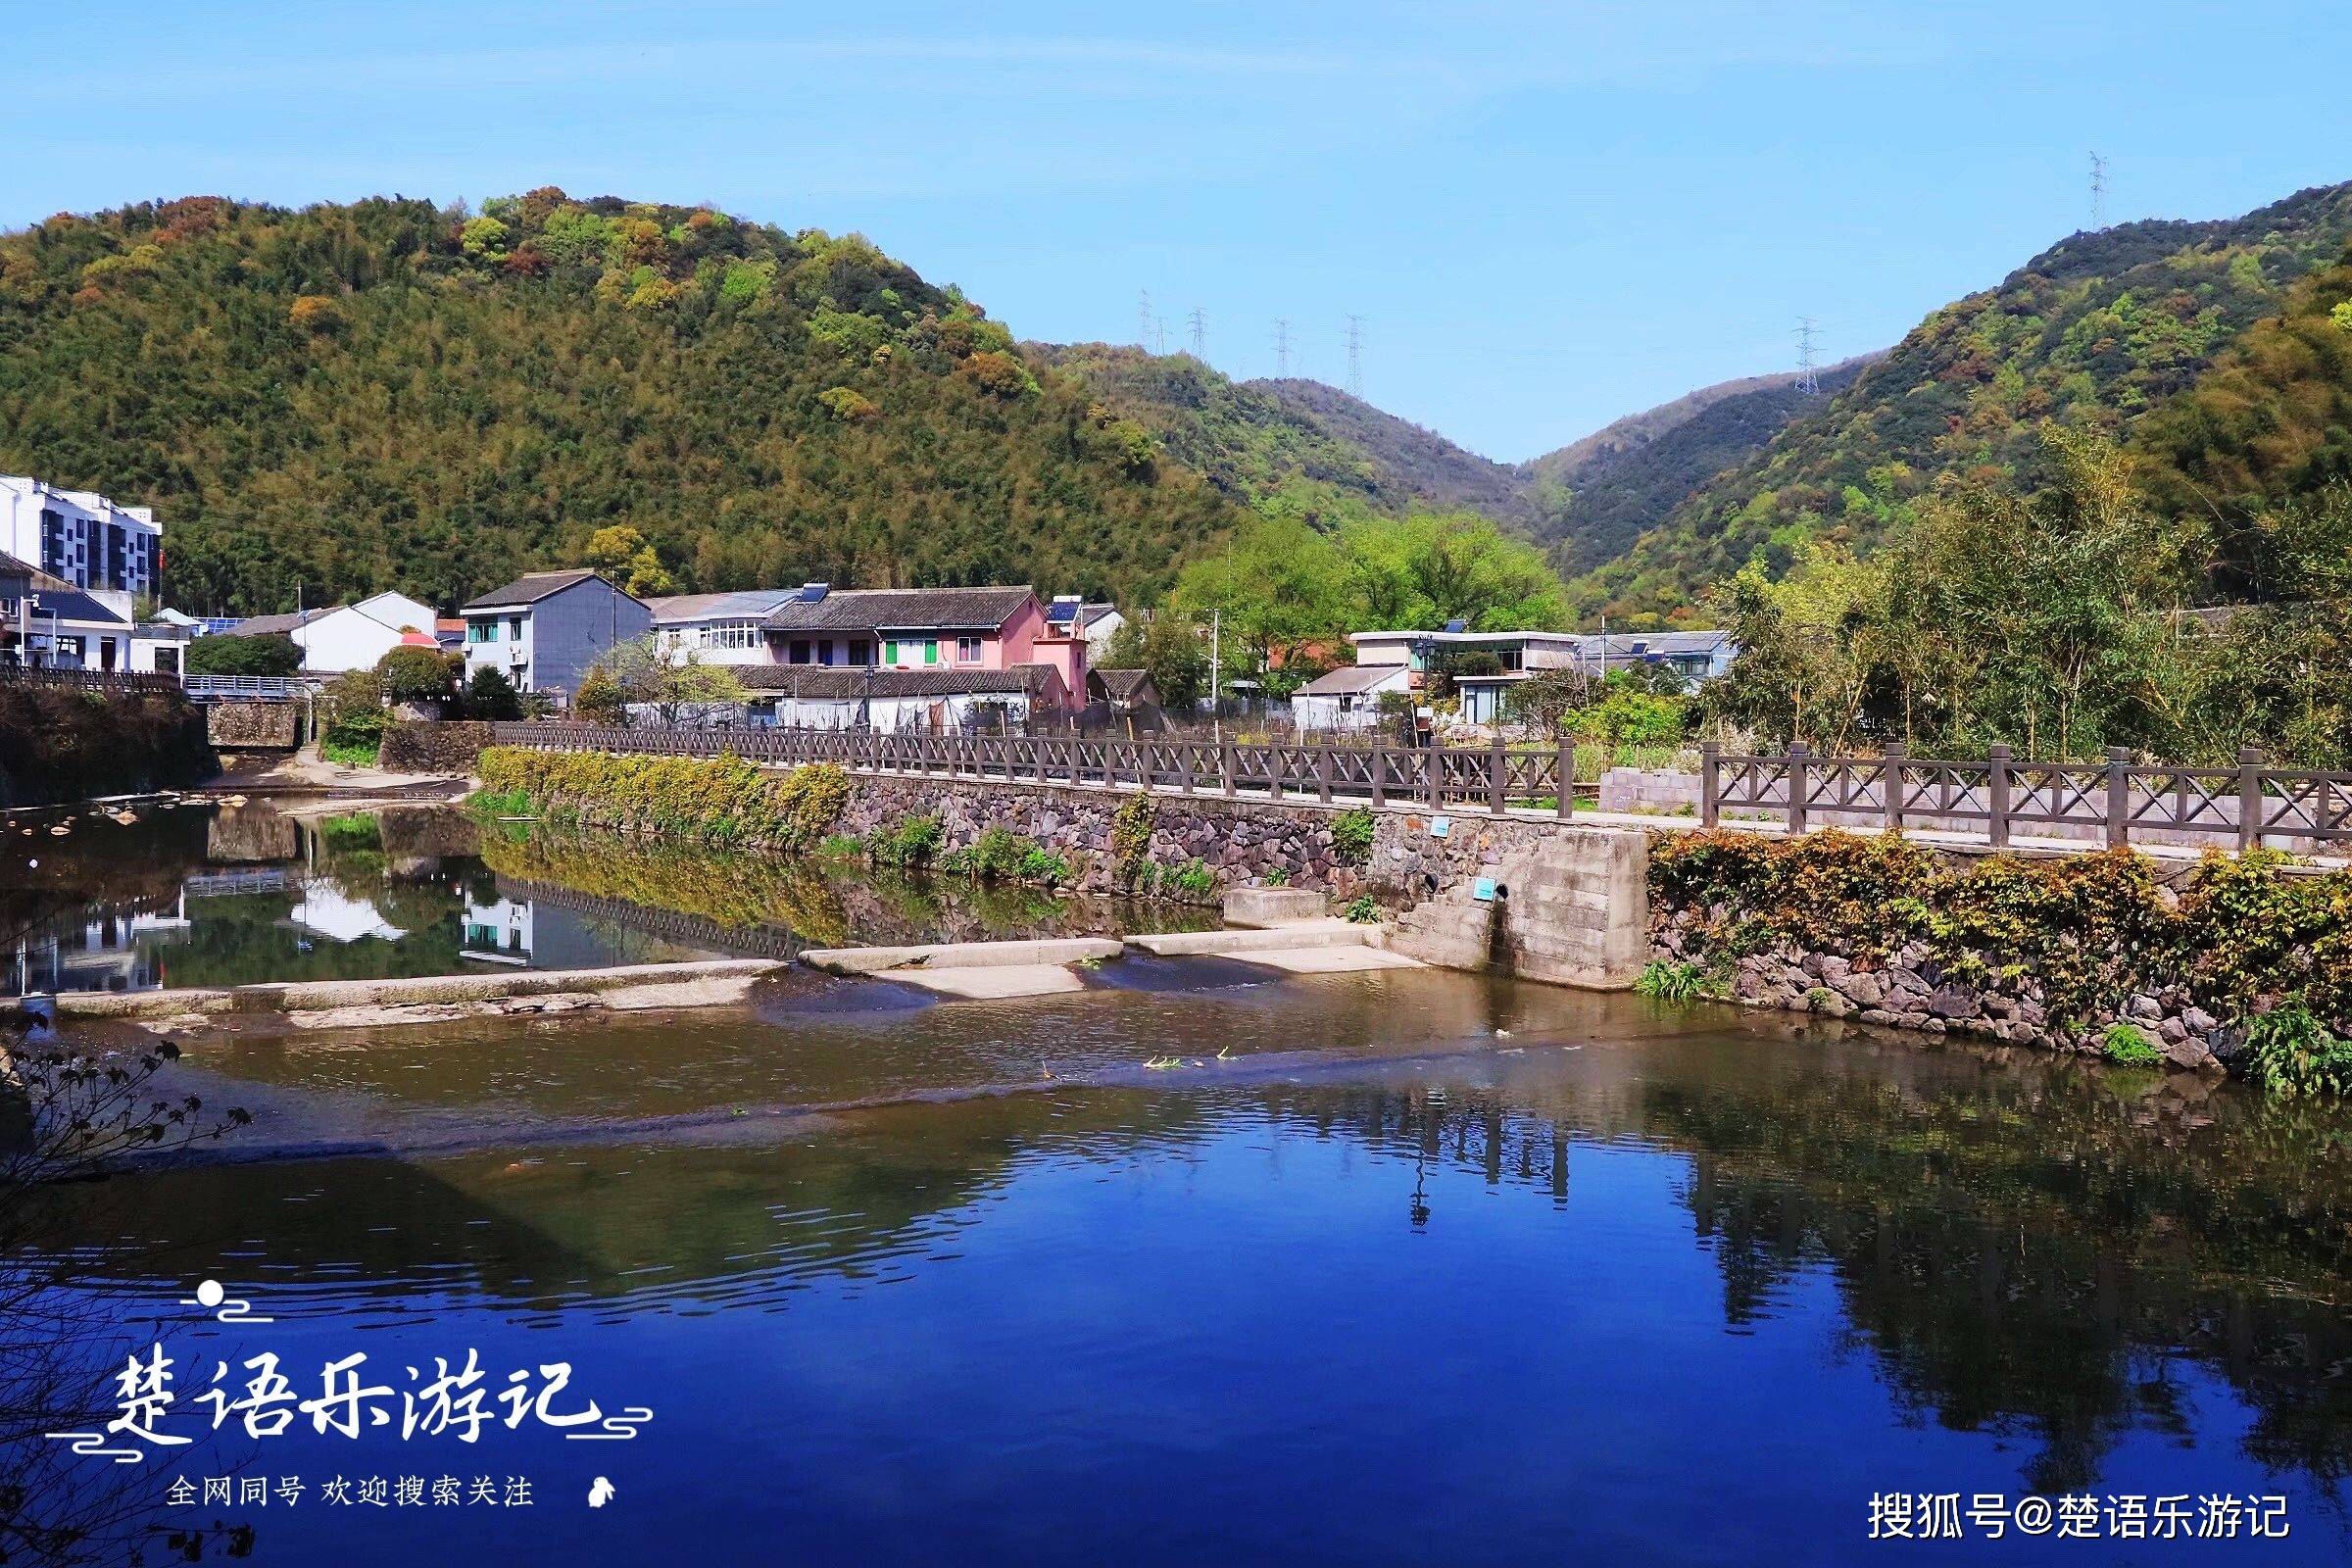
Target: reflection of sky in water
[[1639, 1284]]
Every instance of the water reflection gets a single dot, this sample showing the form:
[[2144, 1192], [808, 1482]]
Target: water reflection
[[2077, 1277], [201, 896]]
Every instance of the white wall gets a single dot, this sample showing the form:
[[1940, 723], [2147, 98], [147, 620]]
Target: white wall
[[86, 518]]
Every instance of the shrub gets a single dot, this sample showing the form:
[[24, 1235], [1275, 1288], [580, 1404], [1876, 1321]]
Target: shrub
[[2093, 930], [1673, 982], [273, 655], [841, 847], [2129, 1046], [351, 752], [719, 801], [1352, 833], [1041, 864], [354, 716], [1192, 878], [2289, 1053], [1362, 911], [1278, 877], [600, 700], [913, 842], [489, 694], [418, 675]]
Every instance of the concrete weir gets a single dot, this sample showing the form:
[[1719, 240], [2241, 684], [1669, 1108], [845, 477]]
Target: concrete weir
[[974, 969]]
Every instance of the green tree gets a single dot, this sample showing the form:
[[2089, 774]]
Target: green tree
[[273, 655], [489, 694], [1281, 587], [419, 674], [1170, 647], [1427, 569], [642, 674]]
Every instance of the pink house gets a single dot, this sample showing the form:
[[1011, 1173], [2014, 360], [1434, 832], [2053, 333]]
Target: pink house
[[938, 629]]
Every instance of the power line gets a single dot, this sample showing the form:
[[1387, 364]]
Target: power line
[[1355, 355], [1143, 318], [1199, 321], [1807, 381], [2098, 192], [1282, 346]]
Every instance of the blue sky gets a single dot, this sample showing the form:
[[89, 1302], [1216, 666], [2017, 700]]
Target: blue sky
[[1547, 216]]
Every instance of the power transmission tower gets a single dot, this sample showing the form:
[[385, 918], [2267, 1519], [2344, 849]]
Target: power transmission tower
[[1143, 318], [1355, 355], [1806, 381], [1200, 322], [2098, 192], [1160, 331], [1281, 345]]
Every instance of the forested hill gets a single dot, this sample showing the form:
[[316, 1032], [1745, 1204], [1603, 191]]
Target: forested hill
[[2092, 333], [1240, 437], [392, 393], [1409, 458], [1619, 437], [1625, 478]]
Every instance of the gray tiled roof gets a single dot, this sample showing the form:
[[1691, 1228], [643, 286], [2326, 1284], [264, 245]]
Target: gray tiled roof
[[887, 610], [1120, 685], [528, 589], [277, 625]]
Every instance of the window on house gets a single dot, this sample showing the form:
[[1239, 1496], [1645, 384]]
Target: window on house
[[481, 631], [930, 649], [862, 653], [735, 634], [514, 629], [800, 651], [967, 650]]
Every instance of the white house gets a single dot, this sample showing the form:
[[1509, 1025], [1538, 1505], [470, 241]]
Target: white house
[[79, 536], [892, 700], [1098, 623], [346, 637], [1348, 698], [717, 628], [48, 623], [1696, 657]]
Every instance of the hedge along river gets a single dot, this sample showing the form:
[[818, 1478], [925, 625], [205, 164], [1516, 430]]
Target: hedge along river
[[201, 895], [1337, 1270]]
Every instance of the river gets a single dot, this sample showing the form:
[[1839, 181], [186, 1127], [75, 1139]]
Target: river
[[1205, 1266]]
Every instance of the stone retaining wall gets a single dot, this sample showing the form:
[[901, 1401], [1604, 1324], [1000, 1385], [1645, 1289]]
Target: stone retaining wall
[[254, 726], [446, 746], [1568, 901], [1910, 990]]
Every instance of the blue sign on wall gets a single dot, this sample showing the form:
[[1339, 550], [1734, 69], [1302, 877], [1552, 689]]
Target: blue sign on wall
[[1439, 826], [1483, 890]]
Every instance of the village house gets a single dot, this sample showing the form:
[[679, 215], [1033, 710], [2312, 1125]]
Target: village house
[[337, 638], [893, 700], [47, 622], [1483, 666], [717, 628], [1096, 623], [543, 631], [1349, 697]]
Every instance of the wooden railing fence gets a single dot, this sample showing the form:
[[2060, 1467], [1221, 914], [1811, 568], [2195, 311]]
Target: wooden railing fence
[[1494, 777]]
